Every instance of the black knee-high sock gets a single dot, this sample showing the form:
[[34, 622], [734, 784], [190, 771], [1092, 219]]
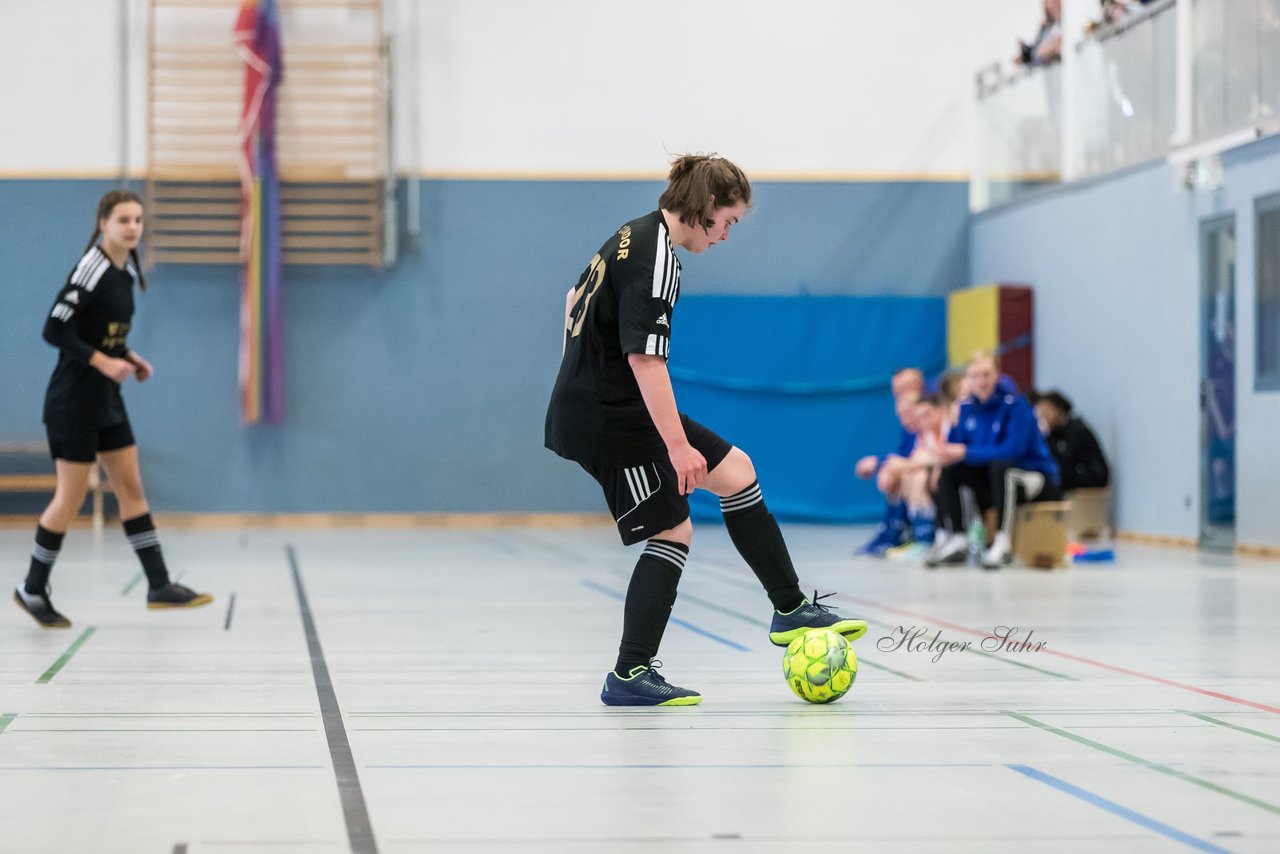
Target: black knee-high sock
[[757, 537], [48, 544], [650, 596], [141, 532]]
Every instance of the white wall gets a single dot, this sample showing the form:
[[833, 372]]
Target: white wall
[[802, 88], [797, 87], [61, 99]]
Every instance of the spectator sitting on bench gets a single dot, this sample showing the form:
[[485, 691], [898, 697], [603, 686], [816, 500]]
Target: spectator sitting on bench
[[907, 386], [1075, 448], [997, 451], [918, 475]]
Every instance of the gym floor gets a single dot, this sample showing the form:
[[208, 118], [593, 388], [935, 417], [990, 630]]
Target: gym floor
[[436, 689]]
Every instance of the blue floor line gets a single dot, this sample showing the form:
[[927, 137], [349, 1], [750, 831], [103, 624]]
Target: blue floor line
[[1123, 812], [600, 588]]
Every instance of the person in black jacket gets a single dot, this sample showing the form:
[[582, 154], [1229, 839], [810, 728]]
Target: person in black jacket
[[84, 412], [1080, 458]]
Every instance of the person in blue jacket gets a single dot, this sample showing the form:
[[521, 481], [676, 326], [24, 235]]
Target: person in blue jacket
[[908, 385], [996, 449]]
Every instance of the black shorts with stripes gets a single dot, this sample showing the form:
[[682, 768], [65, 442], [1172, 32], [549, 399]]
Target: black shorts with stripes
[[645, 500]]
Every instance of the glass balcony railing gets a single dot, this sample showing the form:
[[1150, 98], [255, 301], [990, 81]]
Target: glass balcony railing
[[1126, 94], [1019, 134], [1236, 64], [1127, 103]]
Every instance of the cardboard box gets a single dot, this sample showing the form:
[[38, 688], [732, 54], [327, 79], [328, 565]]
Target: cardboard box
[[1090, 517], [1040, 534]]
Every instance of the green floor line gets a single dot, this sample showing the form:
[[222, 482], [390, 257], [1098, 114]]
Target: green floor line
[[132, 584], [66, 656], [1154, 766], [1235, 727], [1023, 664], [6, 719]]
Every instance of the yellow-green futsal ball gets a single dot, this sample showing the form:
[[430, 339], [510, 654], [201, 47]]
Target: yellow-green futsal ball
[[820, 666]]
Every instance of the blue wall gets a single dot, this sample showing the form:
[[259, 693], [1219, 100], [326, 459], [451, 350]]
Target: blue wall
[[423, 387], [802, 385], [1115, 266]]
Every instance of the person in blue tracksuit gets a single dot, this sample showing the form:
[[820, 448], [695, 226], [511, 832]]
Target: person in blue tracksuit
[[996, 449], [907, 386]]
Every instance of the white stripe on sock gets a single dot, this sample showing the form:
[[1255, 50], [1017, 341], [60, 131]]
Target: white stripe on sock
[[145, 540], [44, 555], [742, 500], [654, 546], [670, 554]]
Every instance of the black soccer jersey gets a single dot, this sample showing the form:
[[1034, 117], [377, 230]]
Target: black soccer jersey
[[93, 311], [622, 304]]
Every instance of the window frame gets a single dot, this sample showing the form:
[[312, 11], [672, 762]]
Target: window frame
[[1266, 378]]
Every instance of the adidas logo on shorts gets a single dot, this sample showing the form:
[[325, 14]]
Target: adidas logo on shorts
[[662, 321]]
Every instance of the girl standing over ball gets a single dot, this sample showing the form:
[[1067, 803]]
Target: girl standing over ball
[[614, 412], [84, 412]]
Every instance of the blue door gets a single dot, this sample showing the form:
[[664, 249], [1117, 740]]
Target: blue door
[[1218, 383]]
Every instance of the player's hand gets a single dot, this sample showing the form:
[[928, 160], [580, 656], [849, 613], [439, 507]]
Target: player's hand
[[924, 458], [117, 370], [952, 452], [690, 466], [866, 467], [142, 367]]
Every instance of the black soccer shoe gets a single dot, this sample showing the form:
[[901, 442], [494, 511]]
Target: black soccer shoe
[[176, 596], [40, 608]]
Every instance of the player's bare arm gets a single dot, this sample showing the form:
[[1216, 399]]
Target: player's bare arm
[[655, 387]]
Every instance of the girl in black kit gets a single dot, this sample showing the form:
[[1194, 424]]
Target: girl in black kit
[[84, 412], [613, 412]]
